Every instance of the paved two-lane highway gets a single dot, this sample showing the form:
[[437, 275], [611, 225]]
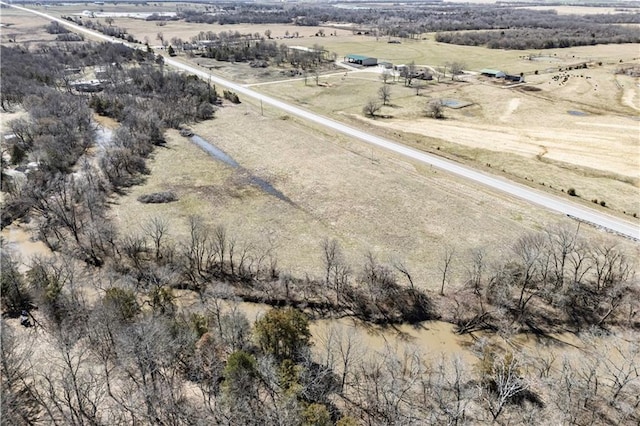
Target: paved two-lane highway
[[540, 198]]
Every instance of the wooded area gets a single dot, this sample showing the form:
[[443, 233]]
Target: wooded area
[[506, 26]]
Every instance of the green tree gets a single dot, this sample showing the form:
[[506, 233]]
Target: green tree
[[171, 51], [316, 415], [282, 333], [240, 374], [122, 301]]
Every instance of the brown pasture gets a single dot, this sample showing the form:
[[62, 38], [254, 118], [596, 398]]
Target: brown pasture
[[339, 188]]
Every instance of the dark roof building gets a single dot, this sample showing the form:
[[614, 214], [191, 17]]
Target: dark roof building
[[361, 60]]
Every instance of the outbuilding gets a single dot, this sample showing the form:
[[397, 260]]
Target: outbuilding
[[492, 73], [367, 61], [515, 78]]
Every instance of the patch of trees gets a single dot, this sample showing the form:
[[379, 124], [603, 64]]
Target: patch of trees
[[237, 47], [550, 281], [242, 52], [543, 38], [59, 130], [408, 21], [108, 29], [56, 28], [119, 352], [174, 98]]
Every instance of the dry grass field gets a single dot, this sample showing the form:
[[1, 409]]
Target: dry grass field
[[20, 27], [581, 133], [339, 189], [370, 200]]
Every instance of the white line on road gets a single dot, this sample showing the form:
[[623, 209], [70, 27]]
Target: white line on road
[[548, 201]]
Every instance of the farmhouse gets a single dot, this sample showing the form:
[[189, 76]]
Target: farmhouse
[[492, 73], [361, 60]]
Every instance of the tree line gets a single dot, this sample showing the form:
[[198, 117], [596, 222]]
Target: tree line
[[523, 28], [543, 38], [123, 349], [254, 48]]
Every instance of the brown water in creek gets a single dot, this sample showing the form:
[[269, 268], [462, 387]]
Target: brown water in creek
[[431, 338], [18, 240]]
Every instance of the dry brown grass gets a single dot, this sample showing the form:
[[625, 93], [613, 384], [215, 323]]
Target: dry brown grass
[[527, 135], [340, 188], [22, 27]]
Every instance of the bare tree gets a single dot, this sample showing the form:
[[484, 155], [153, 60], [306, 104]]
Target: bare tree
[[447, 259], [529, 251], [68, 389], [434, 109], [220, 245], [19, 406], [157, 229], [456, 69], [409, 72], [385, 76], [196, 251], [384, 93], [448, 386], [371, 108], [502, 381], [337, 272], [477, 269]]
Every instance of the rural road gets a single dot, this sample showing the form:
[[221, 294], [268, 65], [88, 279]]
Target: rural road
[[551, 202]]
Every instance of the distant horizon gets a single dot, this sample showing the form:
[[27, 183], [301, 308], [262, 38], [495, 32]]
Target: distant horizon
[[568, 3]]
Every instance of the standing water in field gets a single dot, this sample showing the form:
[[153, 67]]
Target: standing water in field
[[228, 160]]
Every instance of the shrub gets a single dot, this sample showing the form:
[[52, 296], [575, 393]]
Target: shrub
[[158, 198], [603, 203], [572, 192], [231, 96], [122, 301], [434, 109]]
